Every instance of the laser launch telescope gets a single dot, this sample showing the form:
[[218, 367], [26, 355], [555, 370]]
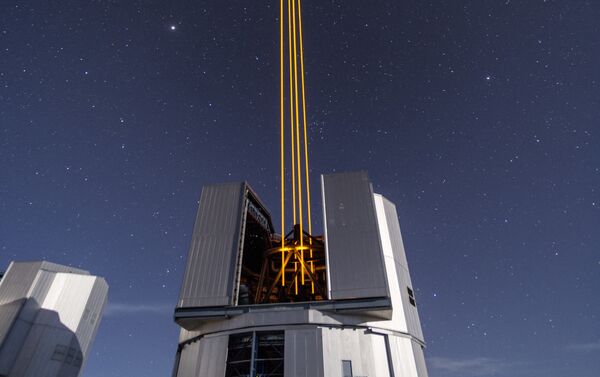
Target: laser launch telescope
[[239, 319]]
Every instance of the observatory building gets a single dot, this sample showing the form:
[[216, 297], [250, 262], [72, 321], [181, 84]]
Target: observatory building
[[49, 315], [256, 303]]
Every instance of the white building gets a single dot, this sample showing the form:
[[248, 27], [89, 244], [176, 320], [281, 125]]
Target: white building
[[49, 315], [362, 320]]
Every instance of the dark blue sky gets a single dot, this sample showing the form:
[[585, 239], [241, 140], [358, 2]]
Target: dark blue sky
[[480, 119]]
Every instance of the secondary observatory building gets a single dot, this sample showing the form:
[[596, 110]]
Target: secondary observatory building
[[49, 315], [337, 305]]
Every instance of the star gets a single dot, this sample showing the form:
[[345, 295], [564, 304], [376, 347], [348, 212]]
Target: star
[[173, 27]]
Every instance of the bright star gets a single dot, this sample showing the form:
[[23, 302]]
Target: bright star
[[173, 27]]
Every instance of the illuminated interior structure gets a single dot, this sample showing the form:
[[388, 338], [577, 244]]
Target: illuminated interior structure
[[261, 277]]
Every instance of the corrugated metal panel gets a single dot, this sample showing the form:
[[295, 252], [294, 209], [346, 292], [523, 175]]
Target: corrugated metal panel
[[188, 362], [411, 312], [35, 357], [57, 307], [67, 297], [25, 311], [205, 357], [24, 280], [366, 351], [412, 316], [8, 315], [354, 258], [214, 355], [398, 320], [209, 275], [18, 281], [376, 357], [90, 321], [403, 357], [14, 289], [395, 235], [419, 360], [12, 345], [303, 351]]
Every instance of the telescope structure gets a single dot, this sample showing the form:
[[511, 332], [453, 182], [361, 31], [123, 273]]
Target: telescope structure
[[256, 302], [244, 310], [49, 317]]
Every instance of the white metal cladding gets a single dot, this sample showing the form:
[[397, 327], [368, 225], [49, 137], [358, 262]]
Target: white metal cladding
[[185, 335], [90, 321], [204, 357], [21, 277], [209, 275], [12, 294], [60, 306], [35, 357], [27, 311], [188, 360], [15, 288], [355, 265], [360, 227], [419, 359], [64, 296], [303, 353], [405, 317], [315, 351], [407, 357], [398, 320], [366, 351], [401, 266]]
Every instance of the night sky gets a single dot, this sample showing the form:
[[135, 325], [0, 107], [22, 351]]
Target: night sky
[[480, 119]]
